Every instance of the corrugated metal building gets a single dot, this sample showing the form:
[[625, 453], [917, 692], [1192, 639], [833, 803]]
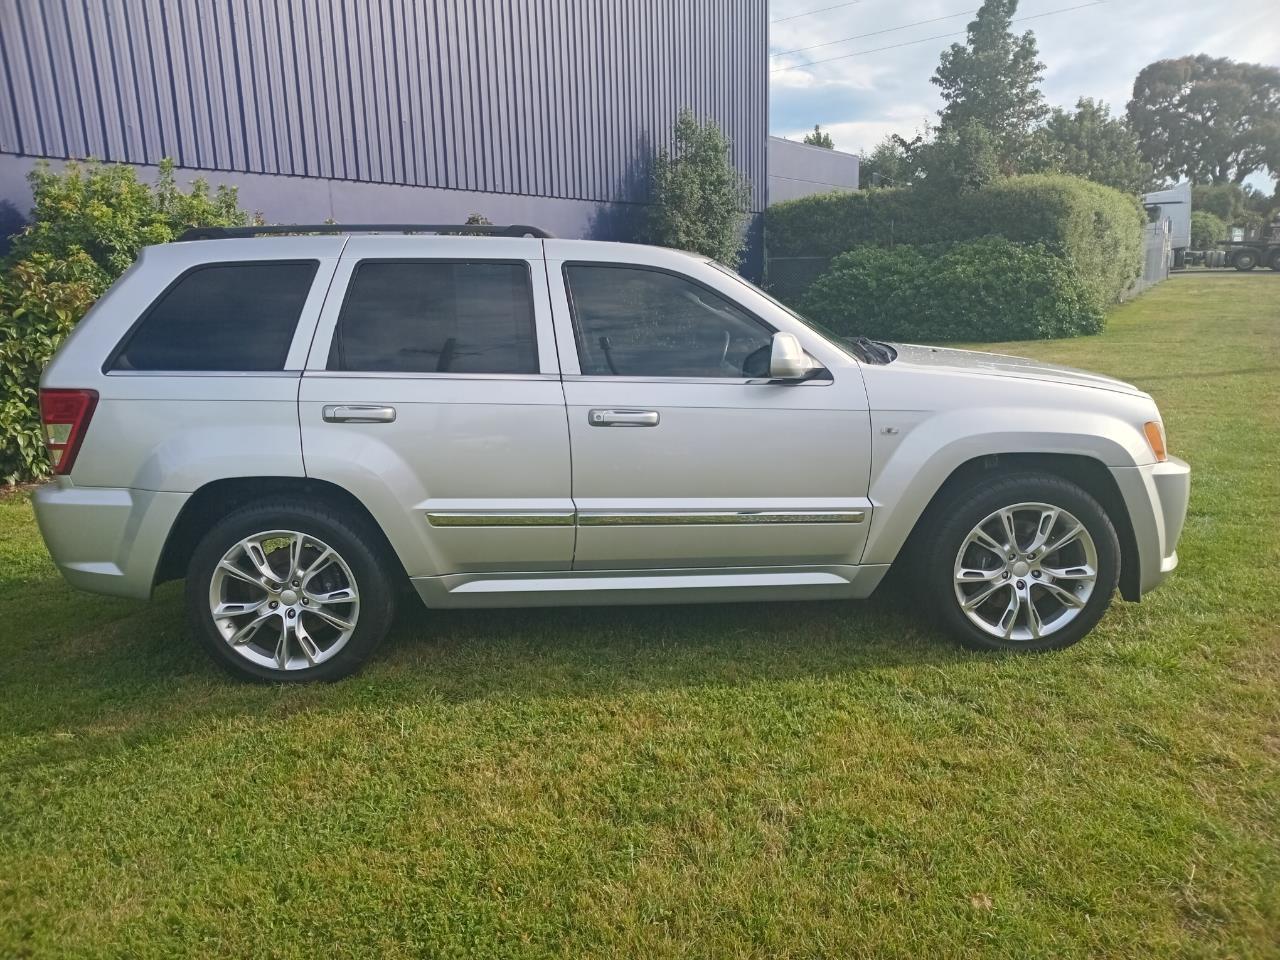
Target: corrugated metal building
[[537, 111], [799, 169]]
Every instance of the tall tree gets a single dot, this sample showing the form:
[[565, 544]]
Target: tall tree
[[1092, 144], [1208, 119], [992, 79], [819, 138]]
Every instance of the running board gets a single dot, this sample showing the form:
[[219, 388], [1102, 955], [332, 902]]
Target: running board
[[605, 587]]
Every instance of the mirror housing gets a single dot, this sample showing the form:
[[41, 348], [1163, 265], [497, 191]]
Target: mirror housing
[[787, 359]]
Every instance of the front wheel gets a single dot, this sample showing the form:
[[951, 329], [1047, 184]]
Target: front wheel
[[287, 591], [1027, 562]]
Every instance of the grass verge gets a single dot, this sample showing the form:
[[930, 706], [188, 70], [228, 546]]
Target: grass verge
[[764, 780]]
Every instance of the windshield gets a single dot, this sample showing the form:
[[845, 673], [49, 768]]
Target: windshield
[[837, 340]]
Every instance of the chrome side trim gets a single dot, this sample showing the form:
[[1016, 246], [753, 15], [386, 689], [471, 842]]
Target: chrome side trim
[[599, 518], [480, 518], [609, 587]]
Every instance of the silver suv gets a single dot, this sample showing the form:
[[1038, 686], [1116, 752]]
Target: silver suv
[[302, 425]]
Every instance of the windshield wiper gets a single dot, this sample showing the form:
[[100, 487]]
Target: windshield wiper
[[872, 351]]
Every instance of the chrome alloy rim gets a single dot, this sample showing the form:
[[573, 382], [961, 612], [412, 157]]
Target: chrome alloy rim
[[1026, 571], [284, 600]]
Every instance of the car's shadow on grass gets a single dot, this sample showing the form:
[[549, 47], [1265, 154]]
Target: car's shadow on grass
[[137, 661]]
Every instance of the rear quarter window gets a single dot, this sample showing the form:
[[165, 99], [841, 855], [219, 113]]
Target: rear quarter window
[[221, 316]]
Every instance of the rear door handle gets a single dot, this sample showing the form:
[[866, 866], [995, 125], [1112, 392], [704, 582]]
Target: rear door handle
[[623, 418], [358, 413]]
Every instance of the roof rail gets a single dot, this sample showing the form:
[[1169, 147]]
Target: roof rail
[[476, 229]]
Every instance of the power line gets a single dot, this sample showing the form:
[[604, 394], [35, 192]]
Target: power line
[[809, 13], [874, 33], [941, 36]]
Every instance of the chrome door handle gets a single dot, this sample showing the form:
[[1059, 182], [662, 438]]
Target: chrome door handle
[[357, 413], [623, 418]]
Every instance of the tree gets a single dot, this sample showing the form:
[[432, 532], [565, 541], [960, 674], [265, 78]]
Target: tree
[[1207, 230], [699, 199], [958, 159], [1092, 144], [1233, 205], [1207, 119], [888, 165], [992, 79], [819, 138]]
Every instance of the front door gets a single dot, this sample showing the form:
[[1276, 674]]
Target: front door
[[684, 455]]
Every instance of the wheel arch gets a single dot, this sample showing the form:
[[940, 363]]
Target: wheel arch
[[1088, 473], [214, 500]]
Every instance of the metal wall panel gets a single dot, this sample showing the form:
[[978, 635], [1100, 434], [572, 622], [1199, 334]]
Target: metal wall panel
[[556, 98]]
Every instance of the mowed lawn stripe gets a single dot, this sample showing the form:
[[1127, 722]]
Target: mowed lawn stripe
[[764, 780]]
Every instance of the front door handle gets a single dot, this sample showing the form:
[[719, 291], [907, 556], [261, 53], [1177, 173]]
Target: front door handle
[[623, 418], [357, 413]]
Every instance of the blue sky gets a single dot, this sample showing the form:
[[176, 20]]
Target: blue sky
[[1094, 51]]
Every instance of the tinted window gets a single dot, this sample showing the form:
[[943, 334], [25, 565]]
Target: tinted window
[[225, 316], [437, 317], [632, 322]]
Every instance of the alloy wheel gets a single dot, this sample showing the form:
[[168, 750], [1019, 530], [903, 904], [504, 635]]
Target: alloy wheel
[[284, 600], [1025, 571]]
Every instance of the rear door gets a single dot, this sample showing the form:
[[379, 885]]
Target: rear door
[[432, 393]]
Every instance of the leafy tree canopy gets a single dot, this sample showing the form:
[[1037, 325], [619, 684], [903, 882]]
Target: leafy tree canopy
[[1208, 119], [1092, 144], [992, 79], [888, 165], [819, 138]]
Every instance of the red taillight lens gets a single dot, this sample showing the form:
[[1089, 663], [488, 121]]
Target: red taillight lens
[[65, 415]]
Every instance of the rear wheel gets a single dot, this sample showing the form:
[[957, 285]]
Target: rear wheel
[[289, 592], [1275, 260], [1028, 562]]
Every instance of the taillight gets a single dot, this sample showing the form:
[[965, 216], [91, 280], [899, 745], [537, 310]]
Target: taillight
[[65, 415]]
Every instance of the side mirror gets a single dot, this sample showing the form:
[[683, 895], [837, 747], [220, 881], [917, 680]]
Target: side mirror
[[787, 359]]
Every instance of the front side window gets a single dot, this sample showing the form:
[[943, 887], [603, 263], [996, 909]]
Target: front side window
[[635, 322], [437, 317], [223, 316]]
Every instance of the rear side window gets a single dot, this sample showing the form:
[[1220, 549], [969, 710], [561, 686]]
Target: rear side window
[[437, 317], [223, 316]]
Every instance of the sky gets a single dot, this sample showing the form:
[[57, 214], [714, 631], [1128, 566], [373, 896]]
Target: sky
[[1094, 51]]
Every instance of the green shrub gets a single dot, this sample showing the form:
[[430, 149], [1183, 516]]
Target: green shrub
[[1097, 229], [1207, 231], [700, 200], [983, 290], [89, 222]]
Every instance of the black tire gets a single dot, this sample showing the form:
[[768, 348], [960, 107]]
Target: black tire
[[360, 549], [1245, 260], [962, 511], [1275, 261]]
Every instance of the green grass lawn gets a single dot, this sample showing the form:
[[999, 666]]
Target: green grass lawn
[[761, 780]]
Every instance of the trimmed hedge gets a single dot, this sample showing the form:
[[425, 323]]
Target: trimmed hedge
[[1098, 229], [987, 289]]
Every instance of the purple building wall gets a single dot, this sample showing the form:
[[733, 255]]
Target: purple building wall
[[539, 111]]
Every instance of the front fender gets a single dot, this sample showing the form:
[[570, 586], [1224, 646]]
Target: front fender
[[914, 453]]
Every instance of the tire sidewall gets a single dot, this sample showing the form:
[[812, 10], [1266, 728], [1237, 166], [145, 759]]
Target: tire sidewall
[[377, 598], [965, 511]]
